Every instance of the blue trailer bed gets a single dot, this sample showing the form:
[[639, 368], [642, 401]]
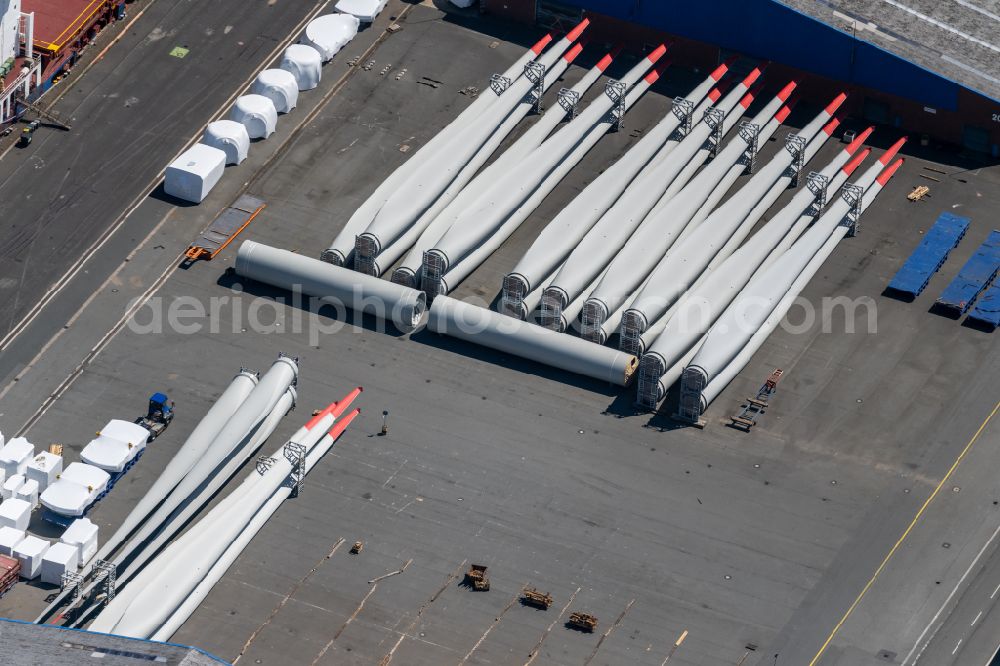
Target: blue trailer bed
[[913, 276], [987, 311], [975, 276]]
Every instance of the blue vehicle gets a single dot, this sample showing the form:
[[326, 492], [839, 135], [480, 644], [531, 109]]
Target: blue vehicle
[[158, 416]]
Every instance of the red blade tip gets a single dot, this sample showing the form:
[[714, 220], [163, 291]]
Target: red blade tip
[[787, 90], [573, 52], [605, 61], [340, 426], [345, 402], [783, 113], [747, 100], [835, 104], [858, 140], [832, 125], [575, 33], [720, 71], [316, 419], [751, 77], [657, 53], [888, 172], [540, 44], [656, 72], [856, 161], [714, 94], [889, 154]]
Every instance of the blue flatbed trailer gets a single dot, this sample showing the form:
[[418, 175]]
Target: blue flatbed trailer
[[975, 276], [986, 314], [913, 276]]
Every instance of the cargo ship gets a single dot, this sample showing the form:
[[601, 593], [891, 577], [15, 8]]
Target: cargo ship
[[41, 41]]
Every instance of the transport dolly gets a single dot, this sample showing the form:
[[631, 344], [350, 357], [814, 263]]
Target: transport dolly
[[532, 597], [747, 418], [582, 622], [223, 229], [477, 578]]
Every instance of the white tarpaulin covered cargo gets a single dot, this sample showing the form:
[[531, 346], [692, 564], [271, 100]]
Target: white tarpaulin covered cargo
[[193, 175], [278, 85], [14, 456], [257, 113], [44, 469], [76, 489], [59, 559], [9, 538], [83, 535], [29, 553], [364, 10], [115, 446], [305, 63], [330, 33], [15, 513], [230, 137]]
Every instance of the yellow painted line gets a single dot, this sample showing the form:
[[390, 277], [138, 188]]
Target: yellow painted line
[[906, 533]]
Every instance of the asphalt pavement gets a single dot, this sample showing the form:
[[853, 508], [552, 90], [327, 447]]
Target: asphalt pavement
[[756, 543]]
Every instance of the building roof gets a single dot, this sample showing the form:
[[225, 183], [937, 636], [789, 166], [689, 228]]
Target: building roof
[[958, 39], [25, 643]]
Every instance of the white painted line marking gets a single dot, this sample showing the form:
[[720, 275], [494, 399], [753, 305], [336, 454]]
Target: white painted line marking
[[993, 656], [956, 646], [944, 26], [997, 589], [108, 233], [978, 615], [946, 602], [984, 12], [970, 68]]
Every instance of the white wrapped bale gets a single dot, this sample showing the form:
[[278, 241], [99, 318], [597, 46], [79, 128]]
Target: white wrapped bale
[[330, 33], [193, 175], [9, 538], [257, 114], [44, 469], [28, 492], [59, 559], [230, 137], [29, 553], [14, 456], [15, 513], [81, 534], [278, 85], [305, 63]]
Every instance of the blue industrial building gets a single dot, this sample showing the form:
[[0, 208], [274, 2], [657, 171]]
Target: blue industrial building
[[914, 70]]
